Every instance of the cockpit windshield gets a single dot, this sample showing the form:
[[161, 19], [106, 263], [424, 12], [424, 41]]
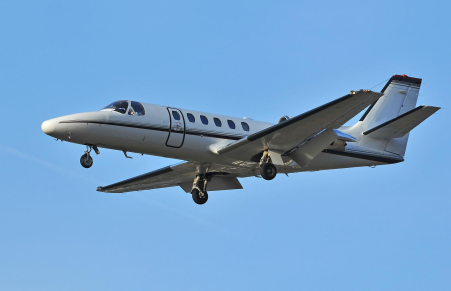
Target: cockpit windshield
[[119, 106]]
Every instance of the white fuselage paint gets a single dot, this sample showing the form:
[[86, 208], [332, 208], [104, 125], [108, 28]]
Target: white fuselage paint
[[191, 141]]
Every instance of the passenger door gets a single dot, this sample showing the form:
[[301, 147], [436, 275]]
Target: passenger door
[[176, 135]]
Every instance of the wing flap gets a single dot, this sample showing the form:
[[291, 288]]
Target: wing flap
[[305, 153], [403, 124], [215, 184]]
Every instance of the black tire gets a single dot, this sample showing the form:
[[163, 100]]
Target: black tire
[[86, 161], [197, 199], [268, 171]]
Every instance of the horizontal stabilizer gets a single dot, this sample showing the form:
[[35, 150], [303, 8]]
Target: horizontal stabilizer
[[401, 125]]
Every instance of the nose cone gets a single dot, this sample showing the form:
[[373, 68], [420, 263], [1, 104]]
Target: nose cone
[[49, 126]]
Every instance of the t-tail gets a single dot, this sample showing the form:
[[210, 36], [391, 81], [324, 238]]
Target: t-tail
[[386, 124]]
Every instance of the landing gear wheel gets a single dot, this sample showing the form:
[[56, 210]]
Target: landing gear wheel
[[268, 171], [196, 197], [86, 161]]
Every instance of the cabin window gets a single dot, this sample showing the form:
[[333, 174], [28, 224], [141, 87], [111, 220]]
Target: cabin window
[[191, 117], [204, 119], [118, 106], [176, 115], [231, 124], [217, 122], [136, 108], [245, 126]]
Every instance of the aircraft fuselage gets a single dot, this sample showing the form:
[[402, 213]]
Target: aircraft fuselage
[[158, 133]]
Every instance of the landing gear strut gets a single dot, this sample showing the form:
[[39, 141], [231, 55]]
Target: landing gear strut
[[199, 191], [86, 160], [267, 169]]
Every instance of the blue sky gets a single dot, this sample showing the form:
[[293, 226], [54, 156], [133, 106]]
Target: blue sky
[[355, 229]]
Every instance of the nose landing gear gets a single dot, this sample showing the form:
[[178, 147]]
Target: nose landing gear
[[86, 160], [199, 191]]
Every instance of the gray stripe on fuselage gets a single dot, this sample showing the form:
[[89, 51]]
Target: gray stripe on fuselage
[[140, 126]]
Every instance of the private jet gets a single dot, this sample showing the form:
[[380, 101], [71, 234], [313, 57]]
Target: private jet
[[217, 150]]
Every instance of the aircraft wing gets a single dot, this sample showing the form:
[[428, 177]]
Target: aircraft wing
[[182, 174], [289, 134]]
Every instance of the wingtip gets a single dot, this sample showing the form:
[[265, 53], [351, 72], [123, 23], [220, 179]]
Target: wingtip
[[435, 108]]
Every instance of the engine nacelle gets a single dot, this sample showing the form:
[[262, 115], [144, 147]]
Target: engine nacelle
[[284, 118]]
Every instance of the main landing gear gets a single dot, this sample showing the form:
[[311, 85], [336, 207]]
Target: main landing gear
[[199, 191], [86, 160], [267, 169]]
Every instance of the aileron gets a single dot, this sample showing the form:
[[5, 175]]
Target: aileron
[[165, 177]]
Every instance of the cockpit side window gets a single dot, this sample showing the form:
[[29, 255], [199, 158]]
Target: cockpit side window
[[119, 106], [136, 109]]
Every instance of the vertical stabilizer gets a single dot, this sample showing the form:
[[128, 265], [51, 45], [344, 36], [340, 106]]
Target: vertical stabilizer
[[400, 96]]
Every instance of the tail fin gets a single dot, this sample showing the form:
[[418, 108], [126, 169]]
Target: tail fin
[[400, 96], [394, 113]]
